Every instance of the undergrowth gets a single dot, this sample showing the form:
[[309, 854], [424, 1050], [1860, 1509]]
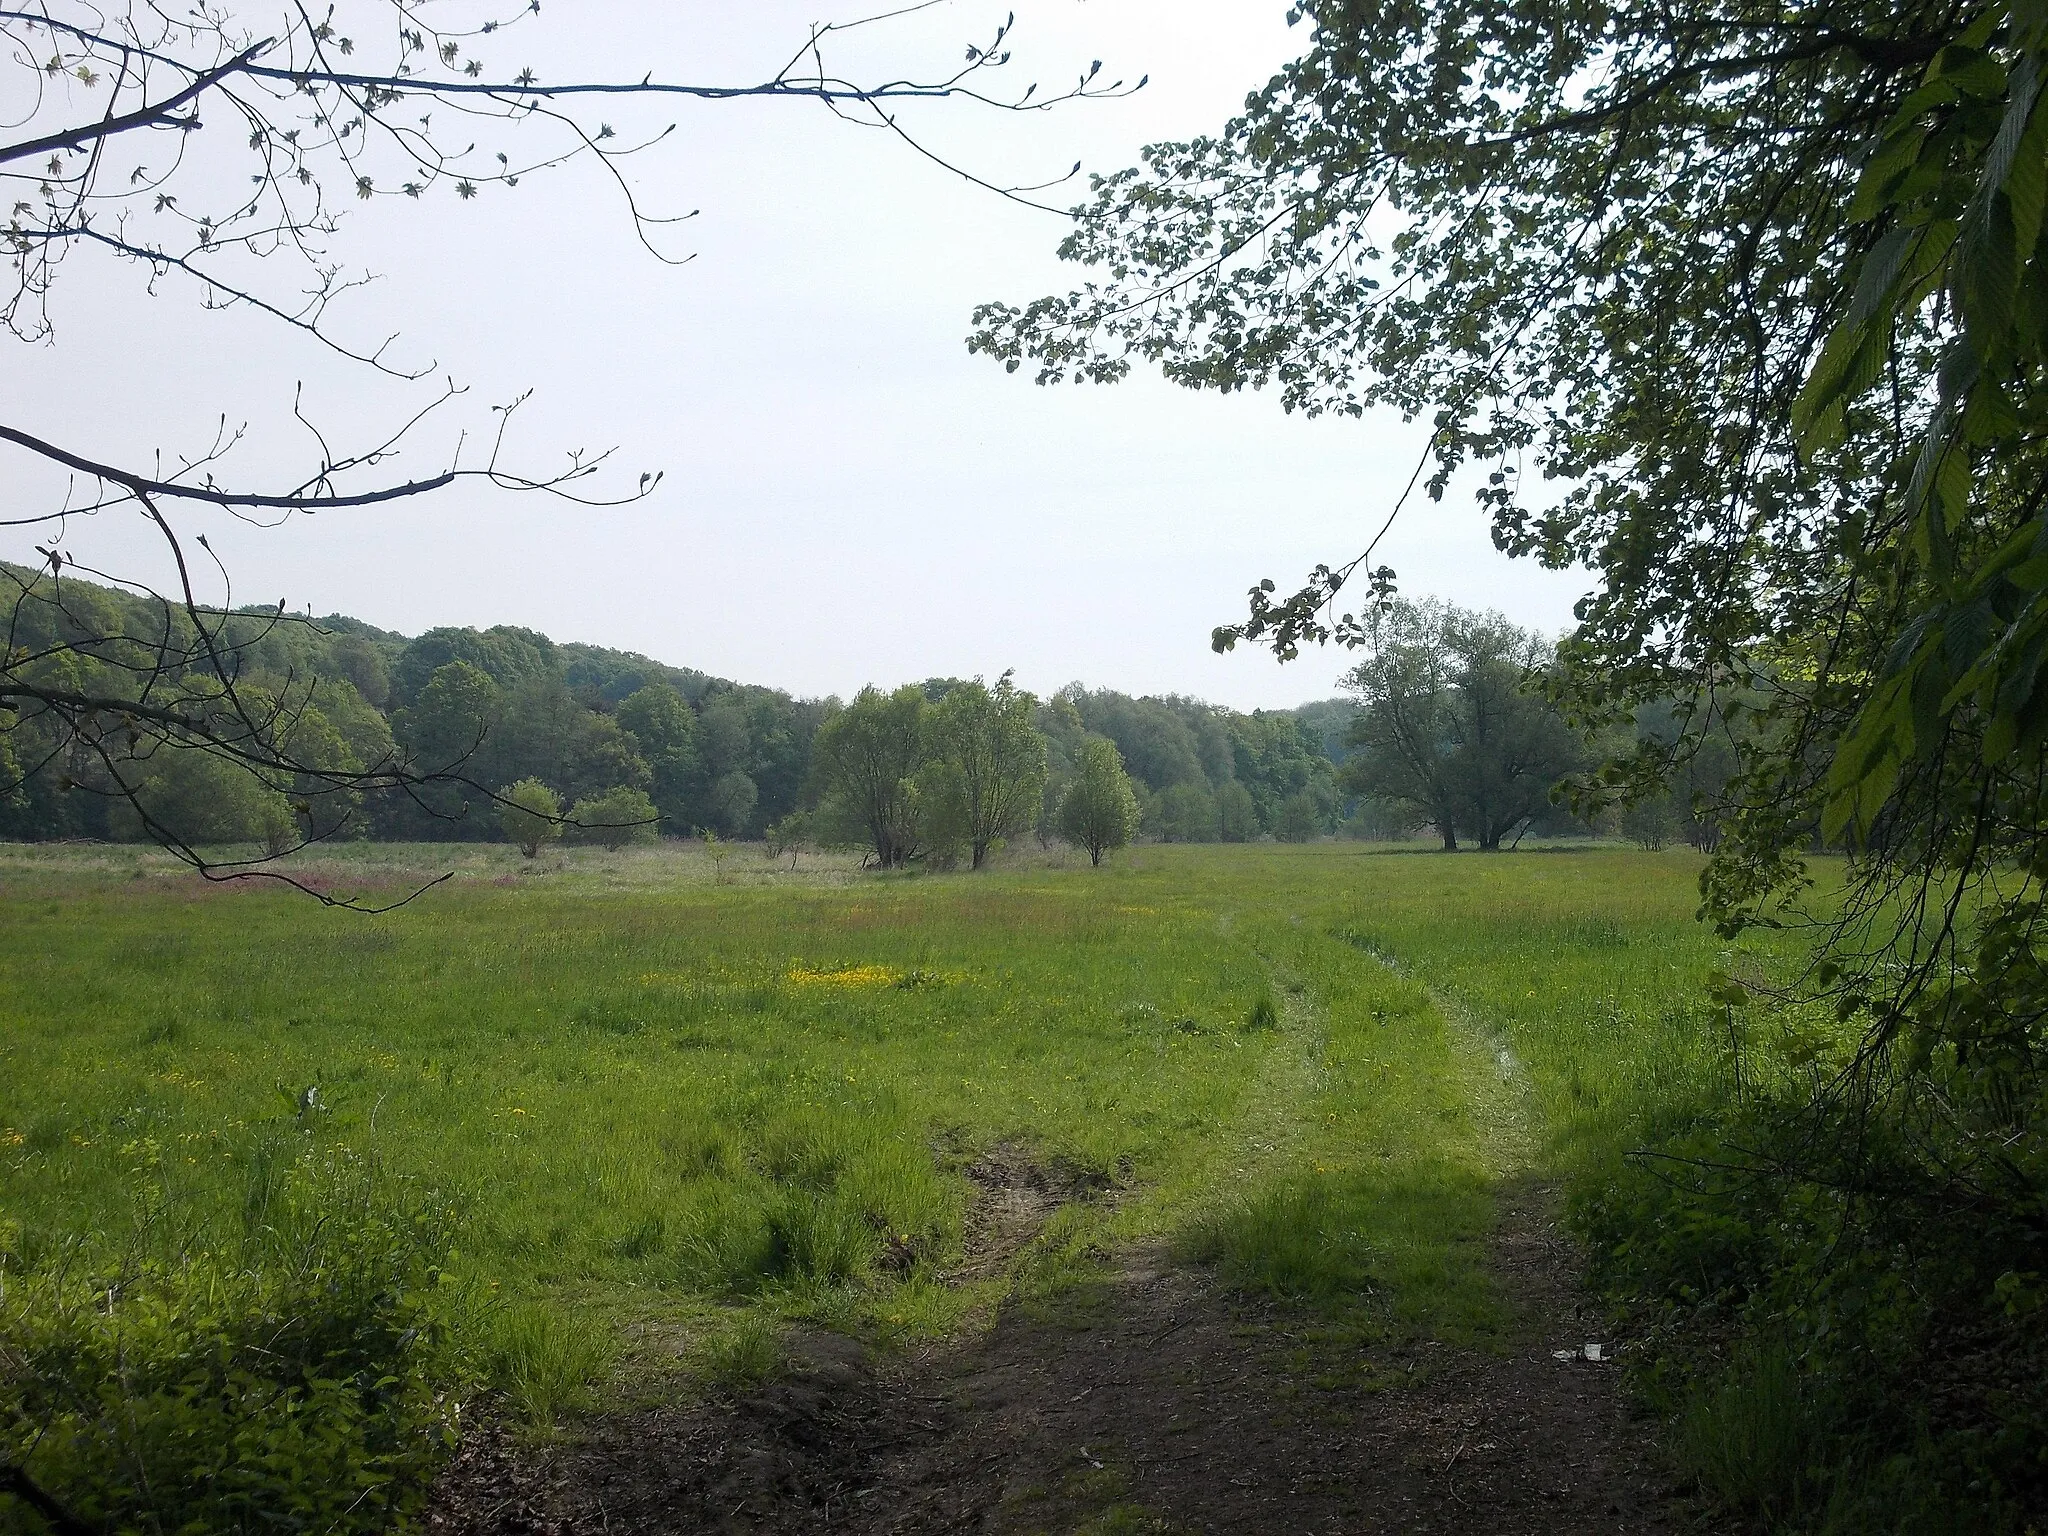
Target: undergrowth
[[292, 1371]]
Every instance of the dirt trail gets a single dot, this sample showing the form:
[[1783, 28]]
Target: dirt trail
[[1152, 1402], [1157, 1403]]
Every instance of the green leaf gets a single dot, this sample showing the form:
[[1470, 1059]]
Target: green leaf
[[1886, 168], [1993, 275]]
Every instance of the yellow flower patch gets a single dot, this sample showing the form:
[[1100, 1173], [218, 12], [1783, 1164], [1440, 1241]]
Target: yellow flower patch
[[848, 977]]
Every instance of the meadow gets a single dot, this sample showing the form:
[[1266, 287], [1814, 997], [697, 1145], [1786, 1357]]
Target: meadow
[[655, 1111]]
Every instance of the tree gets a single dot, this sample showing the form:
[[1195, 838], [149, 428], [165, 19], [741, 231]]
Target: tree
[[1237, 817], [15, 810], [1187, 814], [1449, 726], [664, 732], [615, 818], [1100, 813], [938, 798], [203, 800], [1650, 821], [1059, 723], [543, 731], [1162, 744], [729, 803], [298, 112], [530, 815], [988, 736], [508, 656], [1276, 756], [863, 760], [1299, 818], [793, 834], [450, 719]]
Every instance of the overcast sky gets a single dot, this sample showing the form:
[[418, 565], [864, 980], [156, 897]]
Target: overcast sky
[[849, 497]]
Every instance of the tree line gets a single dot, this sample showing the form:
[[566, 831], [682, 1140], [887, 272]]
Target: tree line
[[1445, 727]]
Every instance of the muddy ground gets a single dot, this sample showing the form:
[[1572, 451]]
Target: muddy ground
[[1155, 1402]]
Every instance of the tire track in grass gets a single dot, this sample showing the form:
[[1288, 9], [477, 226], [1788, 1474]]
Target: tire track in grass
[[1502, 1095], [1135, 1233]]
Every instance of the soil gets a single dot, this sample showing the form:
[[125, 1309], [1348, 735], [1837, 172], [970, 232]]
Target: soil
[[1154, 1402]]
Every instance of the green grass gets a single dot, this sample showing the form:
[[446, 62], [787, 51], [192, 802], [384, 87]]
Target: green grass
[[669, 1115], [642, 1094]]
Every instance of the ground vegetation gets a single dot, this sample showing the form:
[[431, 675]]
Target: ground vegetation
[[540, 1151]]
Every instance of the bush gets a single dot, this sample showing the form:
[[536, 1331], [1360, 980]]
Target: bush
[[198, 797], [1887, 1365], [1299, 819], [530, 815], [614, 819], [297, 1377]]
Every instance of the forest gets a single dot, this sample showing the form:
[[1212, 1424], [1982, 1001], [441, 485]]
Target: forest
[[459, 734]]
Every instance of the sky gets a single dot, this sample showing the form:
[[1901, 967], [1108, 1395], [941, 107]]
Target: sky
[[847, 496]]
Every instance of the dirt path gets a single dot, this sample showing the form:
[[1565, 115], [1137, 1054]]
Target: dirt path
[[1157, 1404]]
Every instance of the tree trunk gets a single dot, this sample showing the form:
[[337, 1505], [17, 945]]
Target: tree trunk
[[17, 1482], [980, 853], [1450, 836]]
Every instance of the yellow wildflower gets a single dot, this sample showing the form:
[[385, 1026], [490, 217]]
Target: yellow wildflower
[[846, 976]]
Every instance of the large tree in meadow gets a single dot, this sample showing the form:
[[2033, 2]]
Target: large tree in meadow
[[989, 739], [1100, 809], [1447, 728], [864, 763]]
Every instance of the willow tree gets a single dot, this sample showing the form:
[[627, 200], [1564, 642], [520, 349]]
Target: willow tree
[[990, 740]]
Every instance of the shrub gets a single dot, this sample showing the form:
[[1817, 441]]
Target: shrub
[[615, 818], [297, 1376], [530, 815], [1299, 819]]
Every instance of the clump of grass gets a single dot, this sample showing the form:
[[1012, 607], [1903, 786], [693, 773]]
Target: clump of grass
[[644, 1237], [1745, 1437], [1265, 1012], [1125, 1520], [818, 1240], [740, 1356], [1294, 1241], [545, 1364], [167, 1030]]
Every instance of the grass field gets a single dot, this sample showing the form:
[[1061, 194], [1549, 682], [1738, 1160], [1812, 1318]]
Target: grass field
[[662, 1109]]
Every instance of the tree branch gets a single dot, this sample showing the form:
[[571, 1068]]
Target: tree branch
[[156, 116]]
